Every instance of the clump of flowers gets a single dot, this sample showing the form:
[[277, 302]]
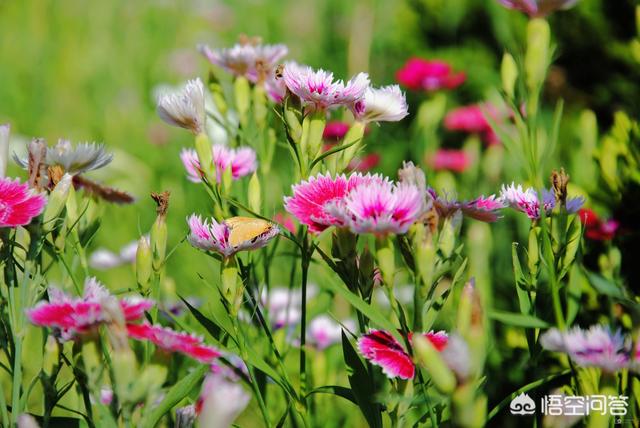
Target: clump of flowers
[[422, 74], [242, 162], [18, 204]]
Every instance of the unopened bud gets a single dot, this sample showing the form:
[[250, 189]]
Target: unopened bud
[[386, 262], [260, 109], [242, 92], [292, 118], [429, 358], [312, 129], [231, 286], [354, 137], [449, 233], [509, 74], [57, 201], [125, 371], [255, 193], [159, 230], [537, 56], [143, 263], [559, 182], [217, 94], [205, 157]]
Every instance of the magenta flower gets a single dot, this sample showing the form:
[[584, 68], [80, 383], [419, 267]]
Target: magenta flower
[[526, 200], [419, 73], [242, 162], [173, 341], [256, 62], [379, 207], [472, 119], [231, 235], [449, 159], [311, 197], [596, 347], [538, 8], [318, 91], [75, 316], [335, 130], [597, 228], [383, 350], [18, 205]]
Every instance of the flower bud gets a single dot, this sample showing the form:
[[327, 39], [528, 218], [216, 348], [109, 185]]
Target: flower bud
[[353, 136], [450, 230], [91, 357], [143, 263], [231, 287], [186, 416], [51, 355], [533, 251], [205, 157], [159, 230], [260, 109], [255, 193], [57, 201], [242, 93], [125, 372], [217, 94], [509, 74], [429, 358], [537, 58], [386, 262], [292, 118], [312, 129]]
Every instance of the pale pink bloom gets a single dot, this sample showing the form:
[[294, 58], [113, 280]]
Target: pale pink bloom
[[386, 104], [482, 208], [284, 305], [596, 347], [209, 235], [335, 130], [526, 200], [538, 8], [221, 401], [275, 88], [106, 396], [184, 108], [379, 207], [457, 356], [74, 160], [318, 90], [472, 119], [285, 221], [103, 259], [254, 61], [383, 350], [311, 197], [173, 341], [242, 162], [323, 331], [77, 315], [419, 73], [449, 159], [18, 204]]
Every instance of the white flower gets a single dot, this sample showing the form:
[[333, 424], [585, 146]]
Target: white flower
[[74, 160], [386, 104], [185, 108], [323, 331], [254, 61], [222, 401]]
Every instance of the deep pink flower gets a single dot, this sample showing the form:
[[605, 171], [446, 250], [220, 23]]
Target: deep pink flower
[[596, 228], [379, 207], [18, 205], [242, 162], [318, 91], [231, 235], [472, 119], [335, 130], [419, 73], [77, 315], [285, 221], [173, 341], [311, 197], [538, 8], [383, 350], [449, 159]]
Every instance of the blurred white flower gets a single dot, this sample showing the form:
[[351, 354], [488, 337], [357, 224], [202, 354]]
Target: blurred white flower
[[220, 402], [184, 108], [323, 331], [74, 160]]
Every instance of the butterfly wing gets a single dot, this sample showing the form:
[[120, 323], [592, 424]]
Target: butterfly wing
[[246, 229]]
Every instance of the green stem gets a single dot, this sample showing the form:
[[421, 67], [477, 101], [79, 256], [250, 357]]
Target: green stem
[[305, 261]]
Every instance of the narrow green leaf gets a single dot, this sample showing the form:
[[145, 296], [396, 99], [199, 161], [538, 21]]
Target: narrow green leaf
[[340, 391], [518, 320]]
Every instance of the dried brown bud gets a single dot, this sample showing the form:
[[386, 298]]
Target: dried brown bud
[[559, 181], [162, 200], [106, 193], [37, 164]]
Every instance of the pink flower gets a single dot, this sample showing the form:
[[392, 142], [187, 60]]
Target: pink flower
[[386, 104], [231, 235], [449, 159], [335, 130], [419, 73], [482, 208], [383, 350], [312, 196], [74, 316], [256, 62], [173, 341], [18, 205], [318, 91], [220, 402], [242, 162], [285, 221], [596, 228], [526, 200], [472, 119], [538, 8], [379, 207], [323, 331]]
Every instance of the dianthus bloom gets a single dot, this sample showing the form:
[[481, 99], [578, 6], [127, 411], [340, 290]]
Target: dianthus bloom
[[18, 205], [221, 401], [597, 228], [472, 119], [335, 130], [323, 331], [419, 73], [526, 200], [383, 350], [242, 162], [74, 160], [231, 235], [318, 90], [184, 108], [173, 341], [386, 104], [482, 208], [449, 159], [254, 61], [77, 315], [596, 347], [311, 197], [538, 8], [380, 207]]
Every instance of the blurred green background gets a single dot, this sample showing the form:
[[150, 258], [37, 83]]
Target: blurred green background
[[88, 70]]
